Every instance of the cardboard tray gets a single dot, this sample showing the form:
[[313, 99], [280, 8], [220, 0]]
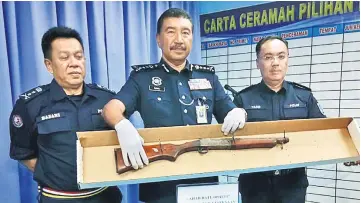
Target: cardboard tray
[[312, 142]]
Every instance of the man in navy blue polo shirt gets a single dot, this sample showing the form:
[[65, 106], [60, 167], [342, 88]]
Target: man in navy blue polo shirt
[[275, 99], [172, 92], [44, 122]]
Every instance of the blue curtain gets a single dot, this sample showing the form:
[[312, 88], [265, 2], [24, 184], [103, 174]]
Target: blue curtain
[[116, 35]]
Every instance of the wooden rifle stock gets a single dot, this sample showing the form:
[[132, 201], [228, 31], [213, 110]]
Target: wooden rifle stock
[[170, 152]]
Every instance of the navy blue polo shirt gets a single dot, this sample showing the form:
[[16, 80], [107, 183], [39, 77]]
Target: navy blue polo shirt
[[43, 125], [164, 98], [292, 101]]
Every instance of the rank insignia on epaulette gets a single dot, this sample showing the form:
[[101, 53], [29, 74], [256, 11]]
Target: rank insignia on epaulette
[[300, 86], [247, 88], [203, 68], [104, 88], [138, 68], [29, 94]]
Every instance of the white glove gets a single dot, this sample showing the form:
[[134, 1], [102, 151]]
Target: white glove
[[131, 144], [235, 119]]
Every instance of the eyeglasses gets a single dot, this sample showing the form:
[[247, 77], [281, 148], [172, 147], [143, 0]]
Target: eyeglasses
[[270, 58]]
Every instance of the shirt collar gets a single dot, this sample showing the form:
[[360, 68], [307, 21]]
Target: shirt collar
[[57, 92], [169, 69], [285, 86], [89, 91]]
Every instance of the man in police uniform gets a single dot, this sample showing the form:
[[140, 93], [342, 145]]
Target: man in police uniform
[[172, 92], [275, 99], [44, 122]]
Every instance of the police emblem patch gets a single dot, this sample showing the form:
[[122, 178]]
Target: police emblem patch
[[17, 121], [156, 81]]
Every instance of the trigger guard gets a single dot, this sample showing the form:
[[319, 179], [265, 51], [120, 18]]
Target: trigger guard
[[202, 150]]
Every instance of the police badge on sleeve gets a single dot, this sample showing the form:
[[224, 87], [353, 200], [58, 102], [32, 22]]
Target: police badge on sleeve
[[17, 121]]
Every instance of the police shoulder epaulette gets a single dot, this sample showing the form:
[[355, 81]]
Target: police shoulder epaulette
[[144, 67], [247, 88], [29, 95], [300, 86], [100, 87], [203, 68]]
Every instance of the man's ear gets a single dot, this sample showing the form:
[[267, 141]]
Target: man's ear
[[158, 40], [257, 61], [48, 65]]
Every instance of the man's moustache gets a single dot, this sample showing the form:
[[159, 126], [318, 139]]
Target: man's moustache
[[177, 47]]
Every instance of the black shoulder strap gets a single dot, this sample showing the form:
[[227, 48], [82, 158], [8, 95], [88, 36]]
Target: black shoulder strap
[[145, 67], [31, 94], [202, 68], [300, 86]]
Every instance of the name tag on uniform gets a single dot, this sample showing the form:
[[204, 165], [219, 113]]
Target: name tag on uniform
[[199, 84], [294, 105], [156, 88], [50, 116]]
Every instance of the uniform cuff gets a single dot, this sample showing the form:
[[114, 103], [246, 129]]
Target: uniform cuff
[[20, 153]]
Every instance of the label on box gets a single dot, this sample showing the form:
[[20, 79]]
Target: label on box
[[208, 193]]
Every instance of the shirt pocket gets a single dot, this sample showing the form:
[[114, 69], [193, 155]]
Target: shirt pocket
[[258, 114], [298, 112], [98, 120], [52, 123], [158, 105]]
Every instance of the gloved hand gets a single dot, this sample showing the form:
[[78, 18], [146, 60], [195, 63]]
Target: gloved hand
[[131, 144], [236, 118]]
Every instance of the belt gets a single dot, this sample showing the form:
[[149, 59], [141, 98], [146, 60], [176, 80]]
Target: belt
[[49, 192]]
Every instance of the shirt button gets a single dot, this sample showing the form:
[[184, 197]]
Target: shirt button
[[185, 111], [159, 99], [180, 83], [183, 97]]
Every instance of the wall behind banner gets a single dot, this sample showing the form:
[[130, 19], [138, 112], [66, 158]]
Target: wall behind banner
[[324, 55]]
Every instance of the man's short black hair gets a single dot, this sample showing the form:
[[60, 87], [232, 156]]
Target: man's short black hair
[[175, 13], [55, 33], [264, 40]]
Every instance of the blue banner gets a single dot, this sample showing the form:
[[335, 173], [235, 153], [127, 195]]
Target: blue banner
[[328, 30], [278, 17], [296, 34], [352, 27], [288, 35]]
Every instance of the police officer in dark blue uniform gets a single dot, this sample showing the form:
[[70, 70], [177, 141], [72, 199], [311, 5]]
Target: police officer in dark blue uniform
[[275, 99], [44, 122], [172, 92]]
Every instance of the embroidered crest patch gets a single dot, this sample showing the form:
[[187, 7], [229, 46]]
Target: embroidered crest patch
[[17, 121]]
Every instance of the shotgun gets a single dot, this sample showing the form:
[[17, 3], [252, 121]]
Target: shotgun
[[170, 152]]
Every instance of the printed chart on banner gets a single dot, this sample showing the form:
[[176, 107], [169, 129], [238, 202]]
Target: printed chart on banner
[[326, 59], [322, 56]]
